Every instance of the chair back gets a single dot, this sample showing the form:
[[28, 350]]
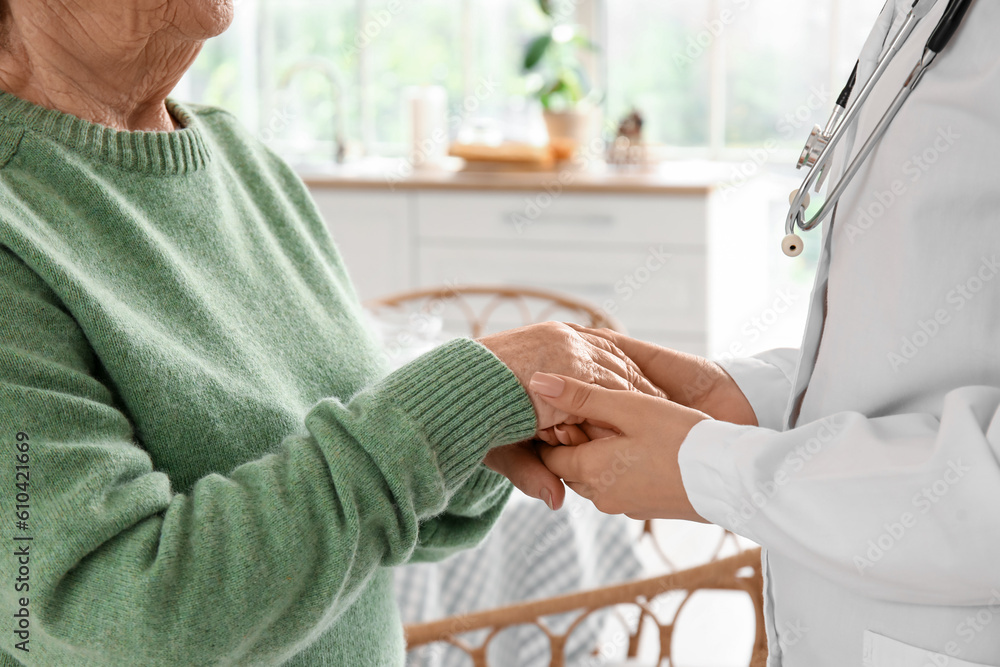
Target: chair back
[[481, 310]]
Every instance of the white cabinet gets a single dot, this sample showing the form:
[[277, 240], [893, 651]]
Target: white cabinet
[[572, 218], [642, 257], [372, 232]]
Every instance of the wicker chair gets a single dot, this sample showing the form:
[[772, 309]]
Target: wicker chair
[[476, 308], [741, 572]]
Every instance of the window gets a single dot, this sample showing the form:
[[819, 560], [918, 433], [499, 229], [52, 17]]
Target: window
[[725, 74], [711, 77]]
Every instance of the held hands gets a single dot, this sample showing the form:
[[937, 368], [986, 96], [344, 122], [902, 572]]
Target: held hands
[[633, 472], [580, 353], [556, 348], [612, 407]]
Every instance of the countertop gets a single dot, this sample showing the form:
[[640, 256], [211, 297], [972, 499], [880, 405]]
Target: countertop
[[679, 178]]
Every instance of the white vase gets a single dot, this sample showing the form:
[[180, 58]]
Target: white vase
[[569, 130]]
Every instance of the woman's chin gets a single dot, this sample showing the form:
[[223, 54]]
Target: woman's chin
[[204, 19]]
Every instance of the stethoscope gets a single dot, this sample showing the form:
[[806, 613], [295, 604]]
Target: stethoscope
[[823, 141]]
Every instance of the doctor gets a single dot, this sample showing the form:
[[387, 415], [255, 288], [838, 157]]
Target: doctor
[[867, 463]]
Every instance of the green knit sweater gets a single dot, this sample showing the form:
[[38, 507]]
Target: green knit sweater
[[220, 471]]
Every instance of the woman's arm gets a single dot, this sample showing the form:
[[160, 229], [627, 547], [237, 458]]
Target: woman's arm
[[472, 512], [247, 566]]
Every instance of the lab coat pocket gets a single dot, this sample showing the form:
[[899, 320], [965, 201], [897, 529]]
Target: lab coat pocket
[[880, 651]]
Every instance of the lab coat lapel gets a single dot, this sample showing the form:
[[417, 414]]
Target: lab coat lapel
[[887, 24]]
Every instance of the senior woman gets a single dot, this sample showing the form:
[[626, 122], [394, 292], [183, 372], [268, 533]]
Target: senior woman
[[210, 463]]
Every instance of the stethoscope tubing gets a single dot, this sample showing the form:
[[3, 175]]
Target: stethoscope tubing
[[796, 214], [945, 30]]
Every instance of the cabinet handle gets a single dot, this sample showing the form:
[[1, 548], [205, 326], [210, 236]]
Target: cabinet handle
[[522, 221]]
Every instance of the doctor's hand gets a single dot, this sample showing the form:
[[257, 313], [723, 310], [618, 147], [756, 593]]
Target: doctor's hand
[[634, 473], [555, 348], [687, 379]]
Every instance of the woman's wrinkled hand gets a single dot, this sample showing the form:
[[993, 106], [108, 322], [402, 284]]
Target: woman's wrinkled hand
[[633, 470], [554, 347]]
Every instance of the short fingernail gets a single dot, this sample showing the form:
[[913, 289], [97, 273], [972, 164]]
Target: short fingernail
[[561, 435], [547, 385], [547, 497]]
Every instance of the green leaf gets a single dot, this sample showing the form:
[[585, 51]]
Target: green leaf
[[583, 79], [545, 6], [549, 94], [536, 50], [557, 86], [585, 43], [571, 83]]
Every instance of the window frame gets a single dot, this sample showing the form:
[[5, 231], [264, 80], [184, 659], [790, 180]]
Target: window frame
[[258, 82]]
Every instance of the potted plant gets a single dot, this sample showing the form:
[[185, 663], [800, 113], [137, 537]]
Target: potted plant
[[559, 81]]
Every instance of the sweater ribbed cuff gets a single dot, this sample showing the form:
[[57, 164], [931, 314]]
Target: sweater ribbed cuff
[[468, 402]]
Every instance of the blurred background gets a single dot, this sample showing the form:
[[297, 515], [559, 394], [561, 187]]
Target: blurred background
[[634, 156], [727, 91]]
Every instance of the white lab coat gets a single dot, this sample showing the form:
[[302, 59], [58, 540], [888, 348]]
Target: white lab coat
[[873, 481]]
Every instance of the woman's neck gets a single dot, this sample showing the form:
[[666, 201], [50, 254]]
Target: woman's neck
[[111, 70]]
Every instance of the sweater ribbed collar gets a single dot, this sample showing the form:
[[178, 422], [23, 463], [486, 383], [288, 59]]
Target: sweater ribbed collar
[[174, 152]]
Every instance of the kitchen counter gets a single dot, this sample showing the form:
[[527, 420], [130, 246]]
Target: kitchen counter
[[674, 178], [634, 244]]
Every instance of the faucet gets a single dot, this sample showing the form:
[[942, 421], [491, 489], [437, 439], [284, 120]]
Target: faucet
[[330, 73]]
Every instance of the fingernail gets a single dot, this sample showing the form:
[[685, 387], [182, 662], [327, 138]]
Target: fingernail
[[547, 385], [561, 435], [547, 497]]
